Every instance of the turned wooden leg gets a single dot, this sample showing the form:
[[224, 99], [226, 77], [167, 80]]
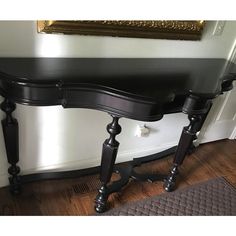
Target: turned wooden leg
[[198, 110], [186, 141], [11, 138], [109, 152]]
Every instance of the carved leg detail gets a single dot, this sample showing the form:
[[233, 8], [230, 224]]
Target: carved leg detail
[[109, 152], [169, 183], [197, 109], [186, 141], [11, 138], [101, 199]]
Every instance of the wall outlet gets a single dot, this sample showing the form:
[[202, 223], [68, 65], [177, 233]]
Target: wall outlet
[[142, 131]]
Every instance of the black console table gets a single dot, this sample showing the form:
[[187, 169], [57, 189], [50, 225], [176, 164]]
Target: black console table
[[140, 89]]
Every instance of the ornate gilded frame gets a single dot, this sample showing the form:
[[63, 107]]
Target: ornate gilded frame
[[185, 30]]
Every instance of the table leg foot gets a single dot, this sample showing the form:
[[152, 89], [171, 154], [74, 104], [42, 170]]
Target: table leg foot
[[14, 180], [109, 152], [11, 137], [101, 200], [170, 181]]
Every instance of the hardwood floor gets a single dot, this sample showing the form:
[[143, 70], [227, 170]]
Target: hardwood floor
[[76, 196]]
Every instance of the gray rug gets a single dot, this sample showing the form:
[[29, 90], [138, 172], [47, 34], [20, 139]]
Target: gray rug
[[212, 198]]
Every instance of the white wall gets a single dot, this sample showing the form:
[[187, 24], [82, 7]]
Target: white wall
[[20, 39], [57, 138]]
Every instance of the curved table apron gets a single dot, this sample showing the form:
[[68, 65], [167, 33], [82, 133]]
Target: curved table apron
[[139, 89]]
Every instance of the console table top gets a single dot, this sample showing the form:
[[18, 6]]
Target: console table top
[[199, 75], [48, 81]]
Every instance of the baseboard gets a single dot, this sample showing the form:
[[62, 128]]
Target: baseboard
[[218, 130]]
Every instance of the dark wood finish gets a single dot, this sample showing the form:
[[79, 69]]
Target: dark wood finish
[[48, 81], [140, 89], [76, 196], [11, 138], [197, 114], [109, 152], [127, 172]]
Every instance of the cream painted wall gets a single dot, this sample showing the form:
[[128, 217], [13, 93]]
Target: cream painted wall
[[57, 138]]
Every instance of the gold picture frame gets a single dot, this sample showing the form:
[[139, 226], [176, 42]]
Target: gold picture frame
[[184, 30]]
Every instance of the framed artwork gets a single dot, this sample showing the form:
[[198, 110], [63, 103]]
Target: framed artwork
[[183, 30]]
